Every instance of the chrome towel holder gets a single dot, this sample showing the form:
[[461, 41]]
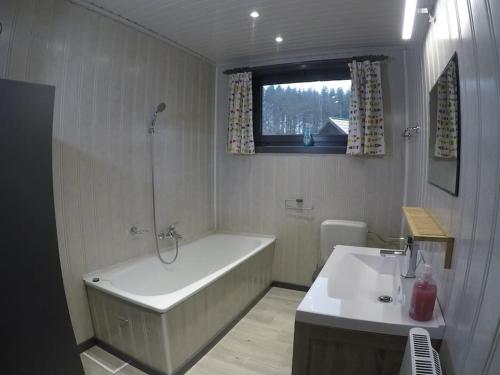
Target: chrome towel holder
[[297, 205]]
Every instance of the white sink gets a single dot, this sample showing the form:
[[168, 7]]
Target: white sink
[[347, 290], [363, 277]]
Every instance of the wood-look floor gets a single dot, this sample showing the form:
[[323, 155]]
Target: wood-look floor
[[260, 344], [113, 363]]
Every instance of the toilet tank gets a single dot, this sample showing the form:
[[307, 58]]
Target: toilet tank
[[341, 232]]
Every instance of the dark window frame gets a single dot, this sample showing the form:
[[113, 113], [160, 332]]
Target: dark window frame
[[325, 70]]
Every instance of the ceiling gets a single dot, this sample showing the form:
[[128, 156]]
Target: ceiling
[[223, 31]]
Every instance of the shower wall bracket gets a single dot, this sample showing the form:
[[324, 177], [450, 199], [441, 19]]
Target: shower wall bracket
[[410, 131]]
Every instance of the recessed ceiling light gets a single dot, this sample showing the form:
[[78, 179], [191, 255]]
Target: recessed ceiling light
[[254, 14], [410, 10], [278, 39]]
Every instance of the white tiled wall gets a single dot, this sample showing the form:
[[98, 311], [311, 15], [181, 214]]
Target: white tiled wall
[[109, 79], [469, 291], [251, 190]]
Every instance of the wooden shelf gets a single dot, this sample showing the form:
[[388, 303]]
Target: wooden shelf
[[425, 227]]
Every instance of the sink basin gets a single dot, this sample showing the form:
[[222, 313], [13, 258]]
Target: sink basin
[[363, 277], [360, 289]]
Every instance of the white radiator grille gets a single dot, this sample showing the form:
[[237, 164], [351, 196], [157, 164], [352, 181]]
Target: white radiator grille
[[420, 358], [437, 362], [421, 346]]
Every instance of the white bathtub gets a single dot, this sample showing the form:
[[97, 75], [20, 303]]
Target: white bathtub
[[162, 315], [157, 286]]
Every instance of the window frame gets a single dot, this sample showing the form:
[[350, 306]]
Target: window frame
[[324, 70]]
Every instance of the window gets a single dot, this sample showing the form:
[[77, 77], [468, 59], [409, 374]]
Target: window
[[322, 106], [291, 98]]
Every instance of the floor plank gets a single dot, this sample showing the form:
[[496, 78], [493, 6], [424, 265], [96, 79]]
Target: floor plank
[[260, 344]]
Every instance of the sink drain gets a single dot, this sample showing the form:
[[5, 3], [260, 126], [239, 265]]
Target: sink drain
[[385, 299]]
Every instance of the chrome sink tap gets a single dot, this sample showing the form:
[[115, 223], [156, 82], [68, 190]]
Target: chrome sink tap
[[410, 247]]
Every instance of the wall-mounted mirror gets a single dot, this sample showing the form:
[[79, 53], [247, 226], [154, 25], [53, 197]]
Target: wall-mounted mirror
[[444, 135]]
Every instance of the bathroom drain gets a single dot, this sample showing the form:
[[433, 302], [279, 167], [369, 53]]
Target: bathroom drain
[[385, 299], [95, 279]]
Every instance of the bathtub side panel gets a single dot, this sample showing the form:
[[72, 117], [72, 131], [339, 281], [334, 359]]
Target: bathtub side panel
[[192, 324], [129, 328]]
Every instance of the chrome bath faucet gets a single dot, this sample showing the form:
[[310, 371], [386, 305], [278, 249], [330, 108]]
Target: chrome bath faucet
[[171, 233]]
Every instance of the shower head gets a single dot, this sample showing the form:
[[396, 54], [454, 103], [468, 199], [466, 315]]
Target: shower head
[[161, 107]]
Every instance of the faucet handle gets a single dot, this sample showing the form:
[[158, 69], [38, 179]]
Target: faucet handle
[[172, 226]]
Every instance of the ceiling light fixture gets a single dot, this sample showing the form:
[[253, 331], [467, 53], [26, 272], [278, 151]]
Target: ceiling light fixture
[[254, 14], [278, 39], [409, 18]]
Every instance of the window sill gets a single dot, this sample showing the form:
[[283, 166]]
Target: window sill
[[301, 149]]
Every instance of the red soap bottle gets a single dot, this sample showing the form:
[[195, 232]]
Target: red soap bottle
[[424, 296]]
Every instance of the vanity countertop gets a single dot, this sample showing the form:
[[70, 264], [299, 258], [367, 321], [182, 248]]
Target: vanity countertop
[[347, 290]]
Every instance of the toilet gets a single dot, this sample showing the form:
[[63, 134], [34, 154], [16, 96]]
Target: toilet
[[339, 232]]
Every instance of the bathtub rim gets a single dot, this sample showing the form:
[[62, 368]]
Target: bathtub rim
[[155, 303]]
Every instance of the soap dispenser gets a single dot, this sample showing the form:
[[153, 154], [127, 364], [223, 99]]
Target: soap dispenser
[[424, 296]]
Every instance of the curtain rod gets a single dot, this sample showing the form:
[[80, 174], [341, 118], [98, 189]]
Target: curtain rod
[[303, 64]]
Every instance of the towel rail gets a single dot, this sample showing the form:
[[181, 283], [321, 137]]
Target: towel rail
[[298, 205]]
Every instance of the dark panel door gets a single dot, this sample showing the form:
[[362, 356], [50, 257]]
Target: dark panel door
[[36, 332]]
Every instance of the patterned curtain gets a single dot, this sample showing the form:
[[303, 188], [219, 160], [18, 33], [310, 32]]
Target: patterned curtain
[[447, 115], [240, 123], [366, 116]]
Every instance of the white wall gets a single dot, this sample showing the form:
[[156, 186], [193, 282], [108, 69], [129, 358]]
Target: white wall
[[251, 190], [469, 291], [109, 79]]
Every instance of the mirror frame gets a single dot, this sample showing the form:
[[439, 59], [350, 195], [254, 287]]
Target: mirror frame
[[454, 59]]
